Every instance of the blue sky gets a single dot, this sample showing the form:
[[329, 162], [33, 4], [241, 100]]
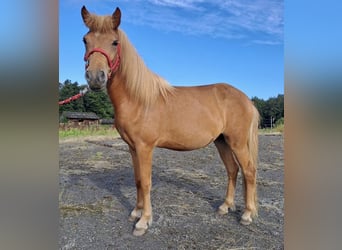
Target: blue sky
[[189, 42]]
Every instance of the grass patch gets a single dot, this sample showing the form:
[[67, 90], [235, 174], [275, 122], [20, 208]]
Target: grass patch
[[277, 129], [101, 130]]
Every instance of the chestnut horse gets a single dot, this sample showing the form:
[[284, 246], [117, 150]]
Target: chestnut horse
[[150, 113]]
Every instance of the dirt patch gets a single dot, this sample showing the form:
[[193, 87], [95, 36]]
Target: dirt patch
[[97, 193]]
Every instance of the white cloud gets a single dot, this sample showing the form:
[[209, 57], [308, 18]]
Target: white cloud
[[259, 21], [258, 15], [188, 4]]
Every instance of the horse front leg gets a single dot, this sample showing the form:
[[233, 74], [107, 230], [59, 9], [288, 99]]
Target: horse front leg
[[142, 161], [137, 211]]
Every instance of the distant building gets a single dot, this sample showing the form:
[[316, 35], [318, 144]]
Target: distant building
[[107, 121], [79, 118]]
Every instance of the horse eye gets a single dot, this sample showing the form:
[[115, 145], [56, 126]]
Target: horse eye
[[115, 43]]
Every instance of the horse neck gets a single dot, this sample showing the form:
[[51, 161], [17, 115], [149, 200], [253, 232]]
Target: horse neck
[[119, 95], [115, 90]]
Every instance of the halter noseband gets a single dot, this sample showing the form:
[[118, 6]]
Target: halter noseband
[[113, 66]]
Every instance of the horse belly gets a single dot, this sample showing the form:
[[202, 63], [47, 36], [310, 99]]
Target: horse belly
[[184, 145], [189, 136], [192, 119]]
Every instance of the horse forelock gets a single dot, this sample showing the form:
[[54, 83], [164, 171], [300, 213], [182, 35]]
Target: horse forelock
[[102, 24], [141, 83]]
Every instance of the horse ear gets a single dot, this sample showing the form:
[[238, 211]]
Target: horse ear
[[85, 15], [116, 18]]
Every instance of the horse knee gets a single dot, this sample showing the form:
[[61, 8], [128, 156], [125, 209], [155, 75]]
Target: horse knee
[[250, 175]]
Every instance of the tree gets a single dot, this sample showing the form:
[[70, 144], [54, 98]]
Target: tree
[[270, 111], [97, 102], [260, 105], [66, 90]]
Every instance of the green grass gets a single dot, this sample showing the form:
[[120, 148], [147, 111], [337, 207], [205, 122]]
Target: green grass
[[88, 131], [277, 129], [104, 130]]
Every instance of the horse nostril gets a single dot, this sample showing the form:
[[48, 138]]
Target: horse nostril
[[101, 76], [87, 76]]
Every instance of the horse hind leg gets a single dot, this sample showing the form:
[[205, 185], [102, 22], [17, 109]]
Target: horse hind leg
[[232, 172], [248, 168]]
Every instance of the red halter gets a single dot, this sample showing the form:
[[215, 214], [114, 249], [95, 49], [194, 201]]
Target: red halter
[[113, 66]]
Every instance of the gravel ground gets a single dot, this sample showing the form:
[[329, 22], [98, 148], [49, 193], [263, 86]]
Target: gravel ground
[[97, 193]]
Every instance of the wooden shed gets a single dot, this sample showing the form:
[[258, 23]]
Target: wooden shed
[[79, 118]]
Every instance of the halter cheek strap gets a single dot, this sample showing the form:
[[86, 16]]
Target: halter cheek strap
[[112, 65]]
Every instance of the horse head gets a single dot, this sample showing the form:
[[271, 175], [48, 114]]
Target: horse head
[[102, 47]]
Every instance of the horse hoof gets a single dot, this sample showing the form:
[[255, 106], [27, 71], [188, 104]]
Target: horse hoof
[[132, 218], [246, 218], [135, 214], [222, 211], [139, 231], [245, 221]]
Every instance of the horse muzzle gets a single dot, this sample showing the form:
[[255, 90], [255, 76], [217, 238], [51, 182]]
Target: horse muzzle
[[96, 79]]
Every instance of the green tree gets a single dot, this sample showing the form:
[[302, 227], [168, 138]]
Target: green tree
[[274, 109], [260, 105], [270, 111], [97, 102], [66, 90]]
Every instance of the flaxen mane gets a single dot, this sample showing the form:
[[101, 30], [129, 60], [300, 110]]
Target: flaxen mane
[[142, 84]]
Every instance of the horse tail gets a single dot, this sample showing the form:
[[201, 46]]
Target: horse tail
[[253, 138], [253, 149]]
